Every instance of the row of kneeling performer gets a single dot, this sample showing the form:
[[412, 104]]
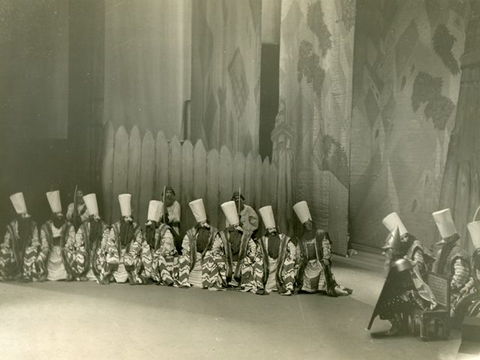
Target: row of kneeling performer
[[127, 253], [409, 265]]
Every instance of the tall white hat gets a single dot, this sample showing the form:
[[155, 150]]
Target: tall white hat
[[230, 210], [91, 203], [53, 198], [474, 229], [154, 211], [302, 211], [18, 202], [445, 224], [391, 221], [267, 216], [125, 204], [198, 210]]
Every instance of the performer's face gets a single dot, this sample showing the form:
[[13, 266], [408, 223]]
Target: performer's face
[[309, 225], [238, 201], [80, 197], [271, 230], [169, 195], [58, 215]]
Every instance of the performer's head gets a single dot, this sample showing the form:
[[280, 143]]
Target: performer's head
[[266, 213], [125, 201], [303, 214], [53, 198], [169, 195], [79, 195], [23, 218], [239, 200], [446, 227], [90, 201]]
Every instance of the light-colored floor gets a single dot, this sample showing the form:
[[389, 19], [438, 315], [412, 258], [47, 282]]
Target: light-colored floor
[[89, 321]]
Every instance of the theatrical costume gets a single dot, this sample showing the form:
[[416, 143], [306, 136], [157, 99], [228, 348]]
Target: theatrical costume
[[159, 255], [275, 256], [451, 261], [314, 258], [21, 254], [203, 255], [128, 240], [93, 229], [240, 251], [406, 290], [170, 213]]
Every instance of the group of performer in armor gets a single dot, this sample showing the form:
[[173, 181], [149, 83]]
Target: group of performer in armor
[[409, 264], [81, 247]]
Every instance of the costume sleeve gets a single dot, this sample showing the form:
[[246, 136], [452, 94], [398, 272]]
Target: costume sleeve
[[35, 241], [252, 219], [186, 245], [418, 260], [44, 241], [327, 250], [291, 249], [176, 212], [70, 212], [251, 251], [460, 274], [168, 244], [217, 245], [70, 237], [7, 239]]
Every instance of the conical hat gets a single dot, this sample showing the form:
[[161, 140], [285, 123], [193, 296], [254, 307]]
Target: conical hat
[[18, 202], [125, 204], [445, 224], [198, 210], [474, 229], [91, 203], [302, 211], [391, 221], [154, 211], [53, 198], [267, 216], [393, 241], [230, 210]]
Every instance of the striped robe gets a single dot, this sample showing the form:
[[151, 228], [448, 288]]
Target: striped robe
[[76, 254], [210, 263], [457, 267], [57, 266], [22, 260], [241, 272], [161, 262], [130, 264], [276, 274], [107, 257]]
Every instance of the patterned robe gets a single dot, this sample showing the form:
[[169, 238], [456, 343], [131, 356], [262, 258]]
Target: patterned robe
[[161, 261], [314, 271], [277, 274], [107, 257], [26, 260], [204, 269], [456, 267], [57, 264], [130, 264], [76, 254], [240, 266]]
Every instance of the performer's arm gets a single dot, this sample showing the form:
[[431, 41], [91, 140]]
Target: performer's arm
[[6, 240], [327, 252], [70, 212], [176, 213], [418, 260], [186, 245], [292, 250], [44, 241], [460, 274], [35, 241], [168, 244]]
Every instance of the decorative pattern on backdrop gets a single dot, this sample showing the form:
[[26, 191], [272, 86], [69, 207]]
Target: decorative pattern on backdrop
[[316, 60], [406, 86], [226, 50]]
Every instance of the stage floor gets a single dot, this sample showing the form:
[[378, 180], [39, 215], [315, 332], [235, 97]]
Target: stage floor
[[89, 321]]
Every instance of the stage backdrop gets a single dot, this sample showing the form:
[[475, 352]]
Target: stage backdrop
[[147, 64], [406, 86], [34, 69], [461, 181], [226, 50], [313, 123]]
